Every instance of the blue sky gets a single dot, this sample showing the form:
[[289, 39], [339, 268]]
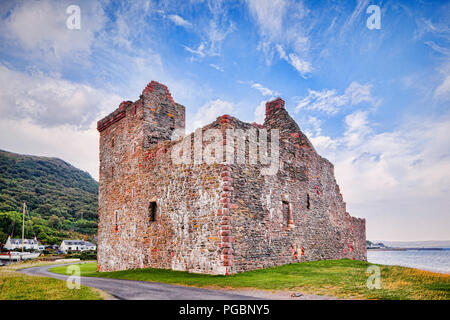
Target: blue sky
[[374, 102]]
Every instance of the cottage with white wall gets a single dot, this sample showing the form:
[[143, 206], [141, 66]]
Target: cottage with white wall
[[76, 245], [28, 244]]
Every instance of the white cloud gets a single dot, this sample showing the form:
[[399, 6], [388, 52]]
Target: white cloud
[[218, 68], [357, 128], [438, 48], [128, 23], [390, 177], [51, 101], [358, 93], [302, 66], [264, 91], [269, 15], [179, 21], [281, 26], [209, 113], [40, 27], [326, 100], [425, 26], [212, 32], [260, 112], [330, 102], [79, 148], [281, 52], [199, 52], [268, 52], [443, 90]]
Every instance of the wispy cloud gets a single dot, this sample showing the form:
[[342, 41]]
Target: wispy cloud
[[39, 28], [214, 31], [384, 174], [264, 91], [50, 101], [330, 102], [442, 92], [199, 52], [302, 66], [209, 112], [218, 68], [271, 18], [179, 21]]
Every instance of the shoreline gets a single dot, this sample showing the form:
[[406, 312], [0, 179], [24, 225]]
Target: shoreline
[[406, 249], [410, 258]]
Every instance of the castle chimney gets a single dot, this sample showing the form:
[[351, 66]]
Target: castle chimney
[[274, 105]]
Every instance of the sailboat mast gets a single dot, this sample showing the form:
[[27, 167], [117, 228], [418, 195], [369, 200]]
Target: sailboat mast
[[23, 224]]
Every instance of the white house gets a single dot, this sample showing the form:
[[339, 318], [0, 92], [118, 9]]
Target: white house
[[76, 245], [28, 244]]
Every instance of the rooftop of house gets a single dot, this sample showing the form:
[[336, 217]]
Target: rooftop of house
[[26, 241], [77, 242]]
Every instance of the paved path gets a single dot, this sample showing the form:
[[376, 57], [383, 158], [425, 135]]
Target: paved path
[[142, 290]]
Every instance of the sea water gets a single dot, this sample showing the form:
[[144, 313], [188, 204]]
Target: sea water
[[431, 260]]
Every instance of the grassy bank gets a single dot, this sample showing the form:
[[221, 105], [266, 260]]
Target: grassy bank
[[18, 286], [339, 278]]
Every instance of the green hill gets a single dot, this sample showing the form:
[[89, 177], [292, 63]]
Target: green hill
[[61, 199]]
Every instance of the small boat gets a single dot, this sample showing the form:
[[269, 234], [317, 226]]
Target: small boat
[[14, 256], [18, 256]]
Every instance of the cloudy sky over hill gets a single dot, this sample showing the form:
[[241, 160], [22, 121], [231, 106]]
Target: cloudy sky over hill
[[374, 102]]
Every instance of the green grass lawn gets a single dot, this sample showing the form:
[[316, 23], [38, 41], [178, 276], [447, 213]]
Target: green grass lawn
[[18, 286], [338, 278]]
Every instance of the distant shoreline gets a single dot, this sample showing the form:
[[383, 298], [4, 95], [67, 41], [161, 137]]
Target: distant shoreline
[[405, 249], [427, 259]]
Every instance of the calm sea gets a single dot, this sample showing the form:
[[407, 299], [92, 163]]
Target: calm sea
[[431, 260]]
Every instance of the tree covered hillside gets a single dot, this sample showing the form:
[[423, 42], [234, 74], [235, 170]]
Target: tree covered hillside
[[61, 199]]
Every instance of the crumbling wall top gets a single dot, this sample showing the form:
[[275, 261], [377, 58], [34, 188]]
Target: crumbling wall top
[[113, 117], [273, 105], [156, 87]]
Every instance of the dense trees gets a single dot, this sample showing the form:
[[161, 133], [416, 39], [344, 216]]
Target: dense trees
[[62, 200]]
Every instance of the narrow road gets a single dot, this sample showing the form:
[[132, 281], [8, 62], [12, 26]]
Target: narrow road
[[142, 290]]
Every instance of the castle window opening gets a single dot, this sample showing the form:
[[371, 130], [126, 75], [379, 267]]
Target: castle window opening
[[152, 211], [116, 226], [112, 142], [285, 209], [308, 202]]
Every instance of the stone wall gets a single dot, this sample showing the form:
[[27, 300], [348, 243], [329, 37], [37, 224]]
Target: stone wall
[[217, 218]]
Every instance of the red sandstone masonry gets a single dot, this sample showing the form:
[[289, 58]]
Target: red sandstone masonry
[[226, 199], [151, 87], [226, 243], [216, 219]]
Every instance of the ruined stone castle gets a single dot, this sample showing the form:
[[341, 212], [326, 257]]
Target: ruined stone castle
[[214, 217]]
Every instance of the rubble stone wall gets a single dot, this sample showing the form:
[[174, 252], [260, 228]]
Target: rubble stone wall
[[218, 218]]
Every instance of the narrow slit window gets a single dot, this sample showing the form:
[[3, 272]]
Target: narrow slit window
[[113, 143], [308, 202], [285, 209], [116, 224], [152, 211]]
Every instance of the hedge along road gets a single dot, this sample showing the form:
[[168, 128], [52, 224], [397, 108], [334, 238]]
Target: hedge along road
[[141, 290]]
